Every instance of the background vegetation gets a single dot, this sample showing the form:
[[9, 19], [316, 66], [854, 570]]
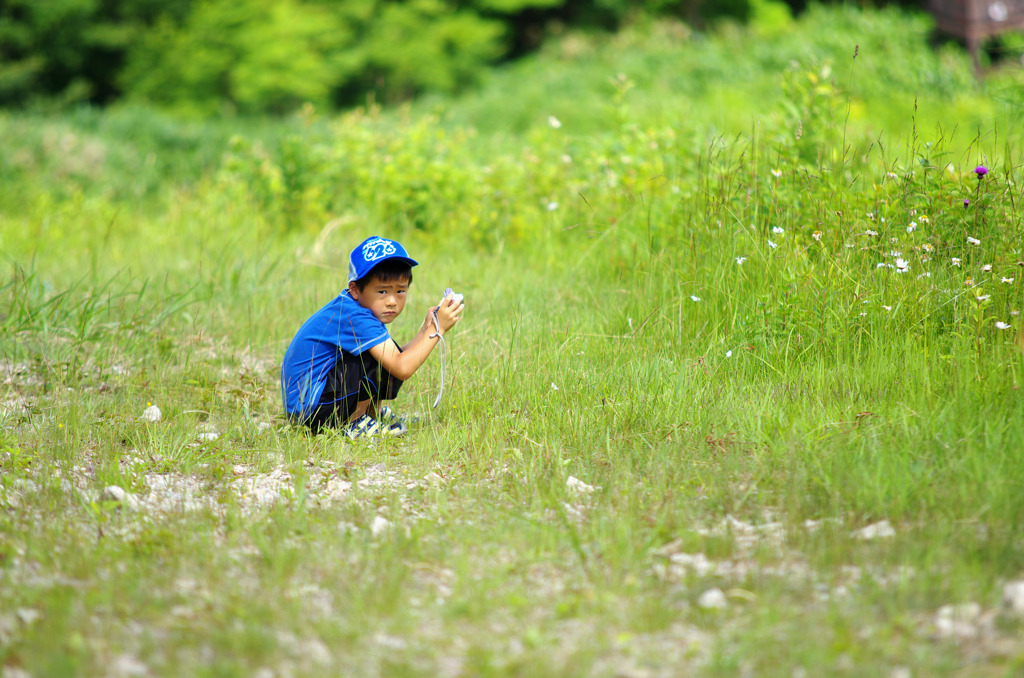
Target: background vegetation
[[737, 392], [271, 56]]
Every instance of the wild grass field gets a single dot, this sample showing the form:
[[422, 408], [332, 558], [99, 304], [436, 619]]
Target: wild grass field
[[736, 392]]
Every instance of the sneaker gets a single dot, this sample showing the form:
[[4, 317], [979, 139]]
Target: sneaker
[[389, 416], [368, 427]]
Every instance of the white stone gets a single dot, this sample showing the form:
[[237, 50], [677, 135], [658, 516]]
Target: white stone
[[434, 479], [337, 487], [577, 486], [208, 436], [901, 672], [27, 615], [879, 530], [121, 496], [113, 493], [390, 642], [1013, 597], [318, 652], [126, 666], [697, 563], [957, 621], [152, 414], [379, 525], [712, 599], [25, 485]]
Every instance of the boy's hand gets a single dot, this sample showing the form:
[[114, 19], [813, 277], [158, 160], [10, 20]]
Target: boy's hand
[[448, 313]]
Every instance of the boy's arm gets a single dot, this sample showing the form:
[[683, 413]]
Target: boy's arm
[[403, 363]]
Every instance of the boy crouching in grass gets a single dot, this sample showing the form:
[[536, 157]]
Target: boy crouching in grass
[[343, 362]]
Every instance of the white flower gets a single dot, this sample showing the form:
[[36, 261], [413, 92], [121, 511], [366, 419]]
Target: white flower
[[982, 297], [554, 122], [956, 261], [1000, 325], [776, 173], [891, 175], [740, 260], [870, 233], [553, 387], [863, 314], [778, 229], [883, 264], [887, 308], [567, 159], [987, 268], [923, 219], [728, 354], [694, 298], [1015, 313], [973, 241], [552, 206], [1008, 281], [927, 247], [772, 245], [912, 227], [816, 235], [902, 266], [926, 274], [895, 253], [894, 239]]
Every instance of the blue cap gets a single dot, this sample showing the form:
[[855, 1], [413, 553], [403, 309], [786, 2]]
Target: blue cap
[[373, 251]]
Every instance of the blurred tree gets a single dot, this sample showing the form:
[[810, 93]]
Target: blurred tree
[[428, 45], [247, 55], [270, 56], [71, 49]]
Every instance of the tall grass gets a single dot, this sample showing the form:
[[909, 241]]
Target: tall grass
[[737, 340]]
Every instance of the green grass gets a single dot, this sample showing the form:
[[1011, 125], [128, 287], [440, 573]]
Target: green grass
[[739, 422]]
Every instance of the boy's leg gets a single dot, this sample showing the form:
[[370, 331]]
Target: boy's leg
[[355, 386], [363, 407]]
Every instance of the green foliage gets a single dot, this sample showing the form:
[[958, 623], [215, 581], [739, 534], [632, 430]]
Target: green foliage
[[742, 343], [442, 49], [71, 49], [271, 56], [258, 55]]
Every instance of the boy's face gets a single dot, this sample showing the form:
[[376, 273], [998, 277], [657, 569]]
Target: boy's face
[[384, 299]]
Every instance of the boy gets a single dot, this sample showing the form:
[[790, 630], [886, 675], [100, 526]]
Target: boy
[[343, 362]]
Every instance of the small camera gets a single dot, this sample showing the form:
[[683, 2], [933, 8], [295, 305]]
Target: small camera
[[456, 300]]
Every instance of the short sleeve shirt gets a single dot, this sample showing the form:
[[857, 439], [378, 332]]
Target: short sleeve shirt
[[341, 325]]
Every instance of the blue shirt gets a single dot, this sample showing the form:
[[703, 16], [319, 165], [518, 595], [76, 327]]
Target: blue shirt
[[341, 325]]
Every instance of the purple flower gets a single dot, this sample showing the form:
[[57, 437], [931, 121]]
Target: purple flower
[[981, 171], [967, 201]]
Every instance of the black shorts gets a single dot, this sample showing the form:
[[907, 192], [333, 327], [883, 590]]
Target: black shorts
[[353, 379]]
